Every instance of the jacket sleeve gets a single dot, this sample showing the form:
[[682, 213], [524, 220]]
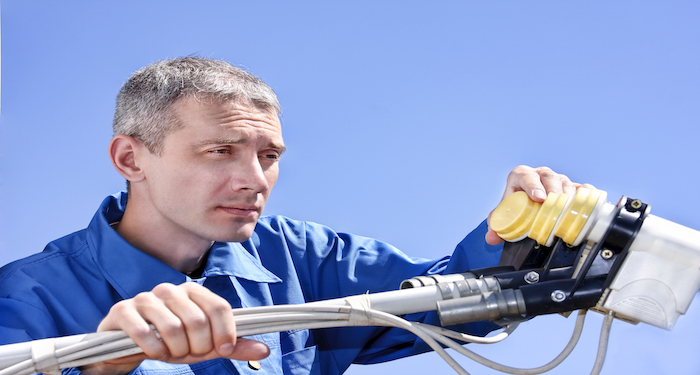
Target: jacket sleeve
[[471, 253], [331, 265], [20, 322]]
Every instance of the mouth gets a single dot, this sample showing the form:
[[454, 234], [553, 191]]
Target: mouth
[[241, 210]]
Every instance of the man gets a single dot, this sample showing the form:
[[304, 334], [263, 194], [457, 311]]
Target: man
[[199, 144]]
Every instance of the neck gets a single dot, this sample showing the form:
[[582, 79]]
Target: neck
[[182, 253]]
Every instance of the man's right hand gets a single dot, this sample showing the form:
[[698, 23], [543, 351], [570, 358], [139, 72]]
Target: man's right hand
[[194, 325]]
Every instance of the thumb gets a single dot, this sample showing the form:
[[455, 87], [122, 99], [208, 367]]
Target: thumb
[[492, 238]]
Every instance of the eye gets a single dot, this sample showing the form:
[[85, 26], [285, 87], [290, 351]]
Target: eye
[[220, 151], [271, 155]]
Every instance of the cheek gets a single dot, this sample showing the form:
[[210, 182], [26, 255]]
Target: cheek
[[185, 180]]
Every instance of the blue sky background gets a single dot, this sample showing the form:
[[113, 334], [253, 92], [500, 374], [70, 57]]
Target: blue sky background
[[402, 120]]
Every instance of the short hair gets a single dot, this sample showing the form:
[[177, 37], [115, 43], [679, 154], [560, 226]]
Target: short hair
[[144, 103]]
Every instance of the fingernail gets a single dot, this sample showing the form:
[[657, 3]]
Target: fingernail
[[225, 349], [539, 193]]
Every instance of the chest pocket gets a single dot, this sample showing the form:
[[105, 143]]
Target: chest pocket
[[301, 362]]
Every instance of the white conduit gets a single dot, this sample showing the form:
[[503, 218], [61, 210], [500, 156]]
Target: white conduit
[[80, 350], [378, 309]]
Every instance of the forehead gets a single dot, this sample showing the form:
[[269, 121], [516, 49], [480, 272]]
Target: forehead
[[212, 116]]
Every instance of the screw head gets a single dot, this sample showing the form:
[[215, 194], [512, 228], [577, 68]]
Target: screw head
[[558, 296], [636, 204], [607, 254], [532, 277]]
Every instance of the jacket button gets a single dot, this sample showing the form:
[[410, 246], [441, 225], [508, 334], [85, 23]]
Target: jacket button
[[255, 365]]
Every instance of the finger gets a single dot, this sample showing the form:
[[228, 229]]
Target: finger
[[125, 316], [249, 350], [245, 350], [553, 182], [191, 334], [169, 325], [558, 183], [527, 179], [568, 187], [221, 323], [587, 186], [492, 238]]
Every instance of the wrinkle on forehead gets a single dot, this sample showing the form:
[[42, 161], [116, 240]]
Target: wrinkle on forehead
[[244, 119], [205, 99], [234, 116], [227, 112]]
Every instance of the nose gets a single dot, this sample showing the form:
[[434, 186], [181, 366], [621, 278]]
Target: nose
[[250, 176]]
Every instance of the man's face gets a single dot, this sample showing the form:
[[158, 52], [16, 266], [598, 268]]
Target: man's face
[[215, 174]]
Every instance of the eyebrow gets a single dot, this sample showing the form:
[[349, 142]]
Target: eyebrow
[[237, 141], [281, 147]]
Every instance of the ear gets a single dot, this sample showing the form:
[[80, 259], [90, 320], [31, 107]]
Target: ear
[[124, 151]]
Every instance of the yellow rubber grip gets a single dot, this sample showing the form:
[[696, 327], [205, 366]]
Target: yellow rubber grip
[[513, 217], [517, 216], [577, 214], [547, 217]]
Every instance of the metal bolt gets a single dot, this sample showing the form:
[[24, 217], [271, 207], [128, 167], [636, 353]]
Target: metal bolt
[[558, 296], [532, 277], [636, 204], [607, 254]]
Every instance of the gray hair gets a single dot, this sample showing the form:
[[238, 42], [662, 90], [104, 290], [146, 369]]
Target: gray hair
[[144, 102]]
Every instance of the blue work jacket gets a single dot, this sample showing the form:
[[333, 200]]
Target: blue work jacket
[[70, 286]]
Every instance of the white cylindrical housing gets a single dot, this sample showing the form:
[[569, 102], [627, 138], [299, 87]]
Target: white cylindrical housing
[[660, 275]]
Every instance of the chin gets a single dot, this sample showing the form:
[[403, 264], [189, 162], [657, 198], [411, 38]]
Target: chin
[[239, 234]]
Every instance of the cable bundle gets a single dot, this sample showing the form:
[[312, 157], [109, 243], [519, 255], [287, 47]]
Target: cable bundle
[[81, 350]]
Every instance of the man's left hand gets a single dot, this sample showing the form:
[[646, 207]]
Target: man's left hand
[[537, 183]]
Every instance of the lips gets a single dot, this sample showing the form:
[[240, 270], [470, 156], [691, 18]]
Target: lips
[[241, 210]]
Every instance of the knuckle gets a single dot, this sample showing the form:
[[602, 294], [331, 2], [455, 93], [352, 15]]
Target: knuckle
[[197, 321], [221, 307], [164, 290], [120, 308], [191, 286], [219, 301], [220, 313], [142, 297], [521, 170], [143, 300], [191, 289], [546, 172]]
